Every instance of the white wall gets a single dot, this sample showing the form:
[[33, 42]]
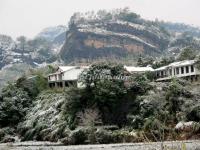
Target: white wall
[[72, 74]]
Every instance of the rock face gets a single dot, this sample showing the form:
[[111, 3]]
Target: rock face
[[94, 37]]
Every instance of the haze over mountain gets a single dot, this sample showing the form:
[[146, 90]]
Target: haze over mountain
[[27, 18]]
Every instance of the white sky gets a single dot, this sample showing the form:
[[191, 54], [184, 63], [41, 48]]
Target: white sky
[[28, 17]]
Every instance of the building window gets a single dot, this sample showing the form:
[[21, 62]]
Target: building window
[[170, 72], [192, 68], [161, 73], [182, 70], [177, 70], [187, 69], [157, 74]]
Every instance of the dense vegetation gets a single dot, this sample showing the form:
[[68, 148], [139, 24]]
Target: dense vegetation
[[114, 106]]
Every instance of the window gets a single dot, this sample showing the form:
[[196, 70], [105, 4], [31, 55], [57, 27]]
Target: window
[[182, 70], [157, 74], [170, 72], [161, 73], [177, 70], [187, 69], [192, 68]]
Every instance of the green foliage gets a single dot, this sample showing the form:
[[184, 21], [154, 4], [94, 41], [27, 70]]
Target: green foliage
[[78, 137], [14, 103], [103, 80], [105, 90], [104, 137], [73, 104], [194, 114], [145, 61], [163, 62], [150, 75], [187, 54], [33, 85], [126, 15], [155, 129], [172, 97], [197, 64]]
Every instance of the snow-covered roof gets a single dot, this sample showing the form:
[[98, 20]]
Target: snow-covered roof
[[183, 63], [138, 69], [177, 64], [65, 68]]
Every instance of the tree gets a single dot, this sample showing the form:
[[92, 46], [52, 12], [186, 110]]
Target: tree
[[105, 88], [187, 54], [140, 62], [172, 98], [14, 103], [22, 42]]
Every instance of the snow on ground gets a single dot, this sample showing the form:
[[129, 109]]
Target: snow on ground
[[173, 145]]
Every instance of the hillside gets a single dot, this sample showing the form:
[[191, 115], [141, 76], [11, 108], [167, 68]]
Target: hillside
[[121, 33], [111, 111]]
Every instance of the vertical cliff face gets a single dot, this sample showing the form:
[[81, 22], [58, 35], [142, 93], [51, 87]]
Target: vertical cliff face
[[95, 37]]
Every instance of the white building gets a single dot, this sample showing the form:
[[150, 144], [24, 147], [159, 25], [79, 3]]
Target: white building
[[68, 75], [65, 76], [185, 69]]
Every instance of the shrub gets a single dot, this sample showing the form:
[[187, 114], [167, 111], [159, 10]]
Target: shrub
[[104, 137], [194, 114], [14, 104], [77, 137], [89, 117]]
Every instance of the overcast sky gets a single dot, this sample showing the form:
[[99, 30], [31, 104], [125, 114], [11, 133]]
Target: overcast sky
[[28, 17]]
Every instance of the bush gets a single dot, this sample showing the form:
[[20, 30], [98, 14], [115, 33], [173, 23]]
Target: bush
[[194, 114], [187, 54], [104, 137], [14, 104], [77, 136]]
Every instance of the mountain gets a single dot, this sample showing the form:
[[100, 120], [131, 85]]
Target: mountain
[[179, 28], [17, 56], [51, 33], [37, 51], [111, 35], [121, 33], [115, 34]]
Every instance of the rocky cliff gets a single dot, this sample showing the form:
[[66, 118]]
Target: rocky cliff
[[94, 35]]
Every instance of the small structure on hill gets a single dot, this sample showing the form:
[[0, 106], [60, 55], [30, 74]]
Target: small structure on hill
[[66, 76]]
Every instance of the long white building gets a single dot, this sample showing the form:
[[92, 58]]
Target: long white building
[[68, 75], [183, 69]]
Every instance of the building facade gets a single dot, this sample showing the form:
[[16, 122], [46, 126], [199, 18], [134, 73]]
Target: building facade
[[183, 69], [65, 76]]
